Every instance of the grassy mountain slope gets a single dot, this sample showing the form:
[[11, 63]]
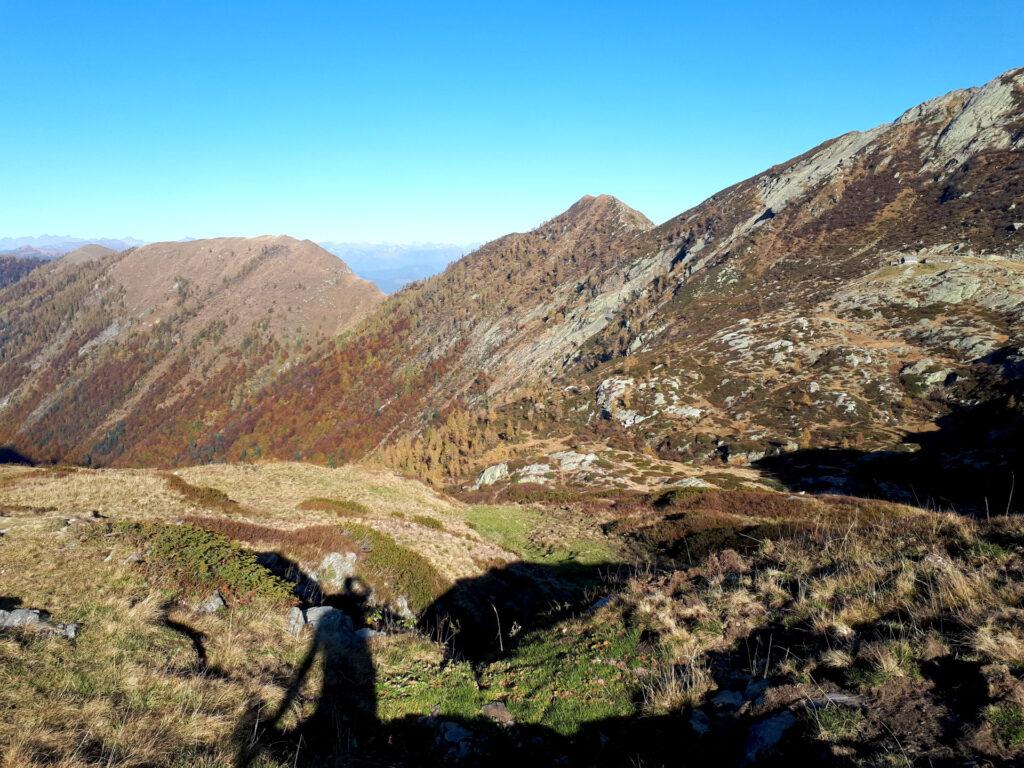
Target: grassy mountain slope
[[100, 346]]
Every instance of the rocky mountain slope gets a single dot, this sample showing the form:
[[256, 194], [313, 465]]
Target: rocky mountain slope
[[98, 343], [846, 299]]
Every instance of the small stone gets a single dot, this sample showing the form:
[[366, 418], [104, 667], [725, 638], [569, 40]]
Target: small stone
[[367, 633], [700, 722], [134, 557], [498, 712], [728, 699], [401, 607], [763, 736]]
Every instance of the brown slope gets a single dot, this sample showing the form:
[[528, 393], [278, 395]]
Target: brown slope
[[98, 340]]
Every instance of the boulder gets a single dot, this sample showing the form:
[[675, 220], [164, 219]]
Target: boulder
[[212, 604], [335, 569], [491, 475]]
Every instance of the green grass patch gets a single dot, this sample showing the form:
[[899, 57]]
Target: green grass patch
[[189, 560], [511, 527], [832, 723], [563, 680], [1008, 721]]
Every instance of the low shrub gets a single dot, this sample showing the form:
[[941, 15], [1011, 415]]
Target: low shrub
[[393, 570], [193, 561], [202, 495], [428, 522], [340, 507]]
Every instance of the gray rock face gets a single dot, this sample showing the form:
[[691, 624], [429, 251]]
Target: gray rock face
[[492, 474]]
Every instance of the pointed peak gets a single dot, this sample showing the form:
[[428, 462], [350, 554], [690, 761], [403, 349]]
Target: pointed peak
[[599, 210]]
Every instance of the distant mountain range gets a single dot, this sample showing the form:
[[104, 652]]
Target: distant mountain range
[[57, 245]]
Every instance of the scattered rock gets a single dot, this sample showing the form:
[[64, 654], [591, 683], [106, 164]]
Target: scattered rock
[[600, 603], [571, 461], [401, 607], [38, 621], [212, 604], [498, 712], [763, 736], [366, 633], [21, 617], [694, 482], [330, 624], [456, 737], [727, 699], [700, 722], [296, 620]]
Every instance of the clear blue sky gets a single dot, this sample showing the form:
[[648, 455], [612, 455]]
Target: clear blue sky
[[388, 121]]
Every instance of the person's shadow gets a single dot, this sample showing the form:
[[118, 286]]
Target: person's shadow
[[344, 715], [479, 619]]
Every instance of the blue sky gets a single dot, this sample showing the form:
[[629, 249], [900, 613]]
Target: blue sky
[[453, 122]]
